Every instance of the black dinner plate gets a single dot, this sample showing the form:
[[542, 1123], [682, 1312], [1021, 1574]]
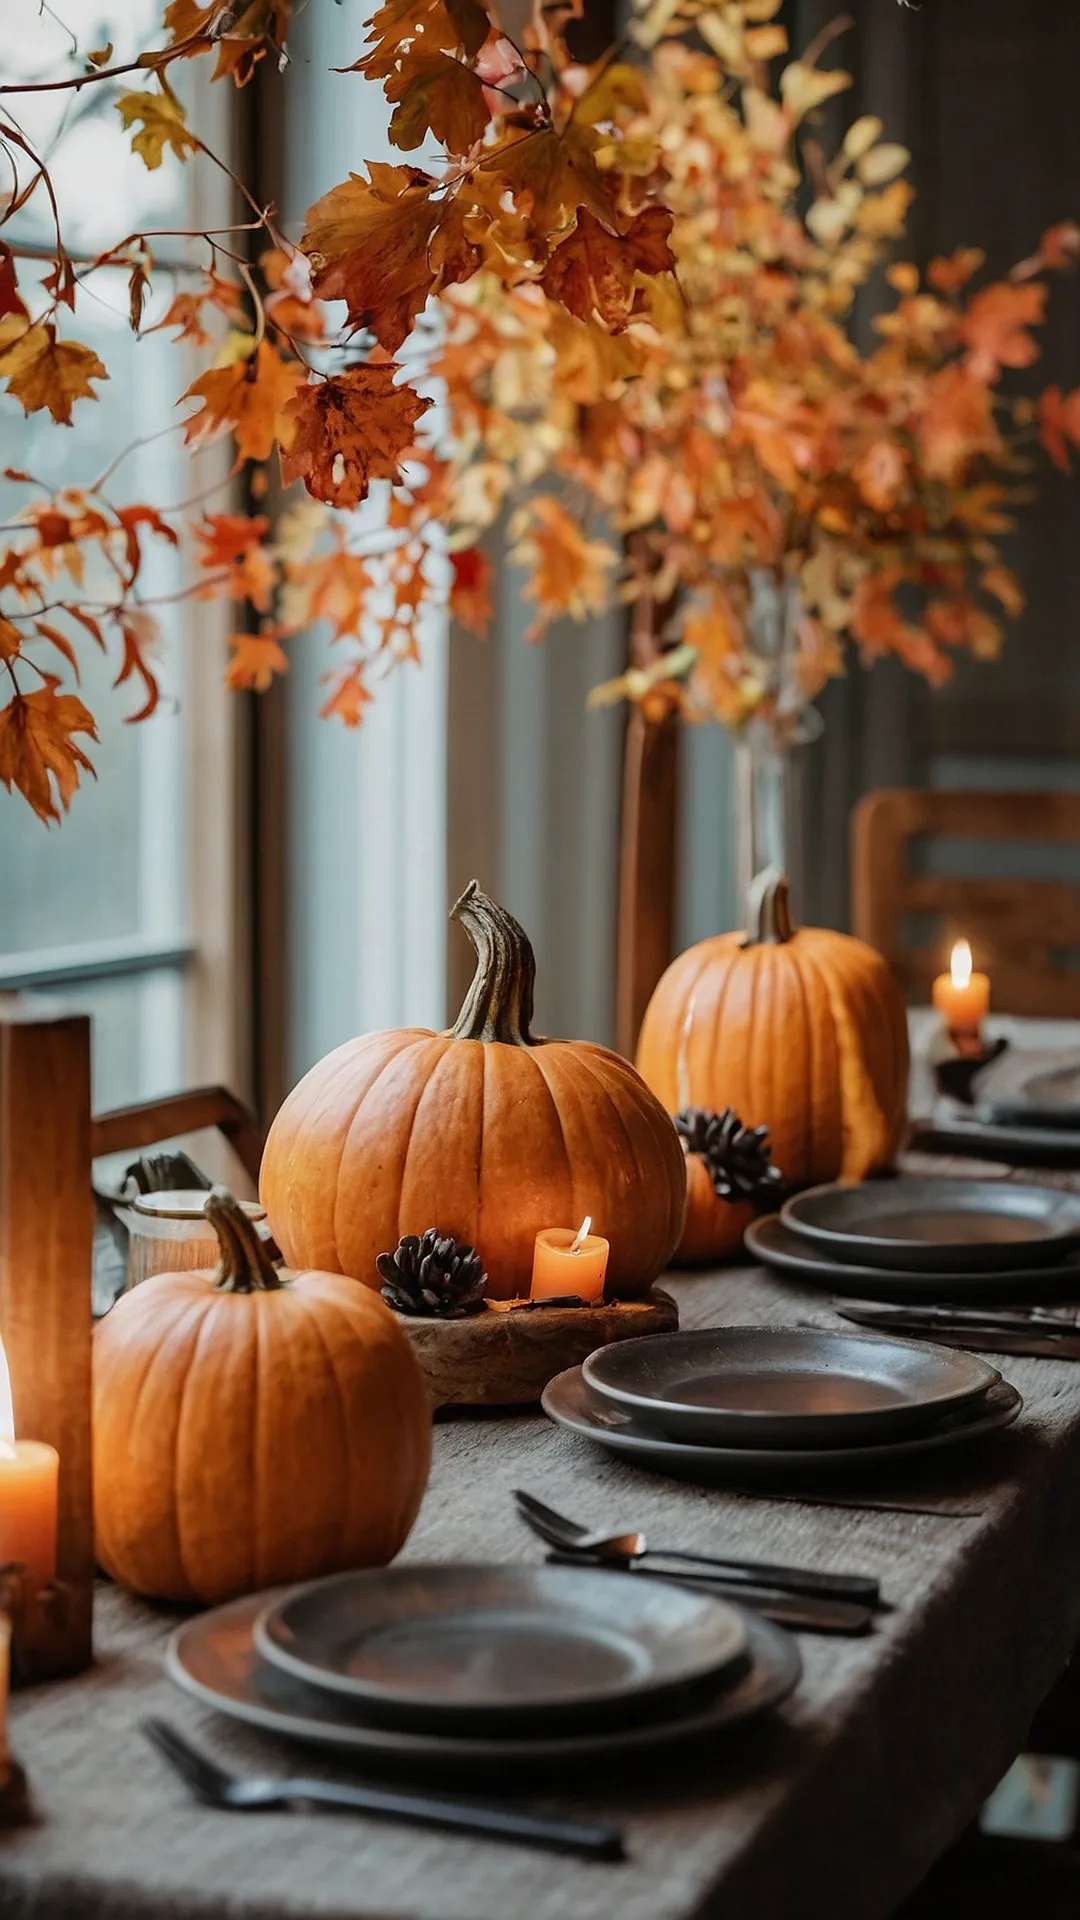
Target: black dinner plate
[[784, 1386], [949, 1226], [768, 1240], [1049, 1100]]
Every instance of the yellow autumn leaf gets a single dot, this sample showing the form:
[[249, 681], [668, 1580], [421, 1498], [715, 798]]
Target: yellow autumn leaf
[[761, 9], [163, 124], [862, 134], [882, 163], [803, 88], [42, 371], [764, 43]]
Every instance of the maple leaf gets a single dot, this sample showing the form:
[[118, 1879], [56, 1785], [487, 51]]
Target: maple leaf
[[880, 474], [448, 25], [471, 586], [568, 574], [1059, 422], [334, 587], [254, 660], [368, 242], [163, 123], [185, 310], [241, 34], [10, 640], [948, 276], [348, 698], [592, 271], [42, 371], [233, 542], [437, 94], [1005, 587], [38, 753], [250, 399], [349, 430], [289, 303], [141, 636], [995, 327], [550, 175], [957, 423]]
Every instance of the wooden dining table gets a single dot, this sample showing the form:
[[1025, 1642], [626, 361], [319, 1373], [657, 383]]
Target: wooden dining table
[[832, 1808]]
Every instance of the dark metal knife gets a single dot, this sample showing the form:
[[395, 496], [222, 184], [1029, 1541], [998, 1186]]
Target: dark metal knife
[[983, 1337], [799, 1613]]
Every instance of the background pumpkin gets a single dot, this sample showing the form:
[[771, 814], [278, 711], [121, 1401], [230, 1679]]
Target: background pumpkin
[[803, 1031], [252, 1427], [713, 1228], [484, 1132]]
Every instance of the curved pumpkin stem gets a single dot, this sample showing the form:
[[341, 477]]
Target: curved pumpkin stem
[[245, 1266], [768, 910], [499, 1003]]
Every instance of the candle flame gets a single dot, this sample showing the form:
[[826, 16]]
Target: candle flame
[[960, 964], [7, 1411], [582, 1234]]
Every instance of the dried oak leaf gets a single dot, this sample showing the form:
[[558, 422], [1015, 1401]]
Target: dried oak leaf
[[38, 754], [550, 176], [250, 398], [436, 94], [349, 430], [592, 270], [370, 243], [42, 371], [163, 123], [447, 25]]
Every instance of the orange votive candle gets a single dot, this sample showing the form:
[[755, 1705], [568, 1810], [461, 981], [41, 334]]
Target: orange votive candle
[[29, 1472], [961, 996], [565, 1262]]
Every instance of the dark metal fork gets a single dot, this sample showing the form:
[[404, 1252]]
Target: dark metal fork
[[623, 1549], [215, 1788]]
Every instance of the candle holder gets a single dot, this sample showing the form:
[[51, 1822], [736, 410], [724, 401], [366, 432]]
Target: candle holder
[[46, 1254], [955, 1074]]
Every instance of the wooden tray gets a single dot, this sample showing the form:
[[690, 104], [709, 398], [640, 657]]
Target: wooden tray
[[494, 1359]]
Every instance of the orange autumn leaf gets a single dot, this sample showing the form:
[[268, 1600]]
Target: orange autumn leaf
[[254, 660], [248, 399], [592, 270], [185, 310], [396, 28], [880, 473], [368, 242], [1005, 587], [38, 752], [471, 586], [10, 298], [550, 175], [141, 636], [1058, 248], [1059, 422], [438, 95], [42, 371], [349, 430], [949, 275], [568, 574], [231, 546], [995, 327], [242, 35], [348, 697], [333, 587], [958, 422]]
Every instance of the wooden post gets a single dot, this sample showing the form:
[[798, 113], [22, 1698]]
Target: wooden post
[[46, 1252], [648, 842]]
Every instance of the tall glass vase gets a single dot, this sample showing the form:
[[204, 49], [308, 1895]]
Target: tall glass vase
[[766, 746]]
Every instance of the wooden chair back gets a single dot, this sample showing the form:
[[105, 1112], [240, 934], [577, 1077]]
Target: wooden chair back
[[131, 1129], [1024, 932]]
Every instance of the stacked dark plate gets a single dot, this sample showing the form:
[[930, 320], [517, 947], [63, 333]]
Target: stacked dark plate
[[734, 1405], [955, 1240], [485, 1670]]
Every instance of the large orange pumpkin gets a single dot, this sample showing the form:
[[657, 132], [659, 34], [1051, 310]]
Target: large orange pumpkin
[[802, 1031], [252, 1427], [484, 1132]]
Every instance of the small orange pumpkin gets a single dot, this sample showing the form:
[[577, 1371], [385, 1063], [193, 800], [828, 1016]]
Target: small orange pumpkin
[[803, 1031], [485, 1132], [714, 1227], [252, 1427]]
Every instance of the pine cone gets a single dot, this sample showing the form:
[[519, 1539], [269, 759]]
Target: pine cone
[[434, 1276], [738, 1158]]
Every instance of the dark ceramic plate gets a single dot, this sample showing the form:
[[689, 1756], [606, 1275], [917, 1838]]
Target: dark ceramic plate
[[213, 1657], [572, 1403], [1048, 1100], [783, 1386], [948, 1226], [769, 1240], [480, 1649], [1017, 1145]]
